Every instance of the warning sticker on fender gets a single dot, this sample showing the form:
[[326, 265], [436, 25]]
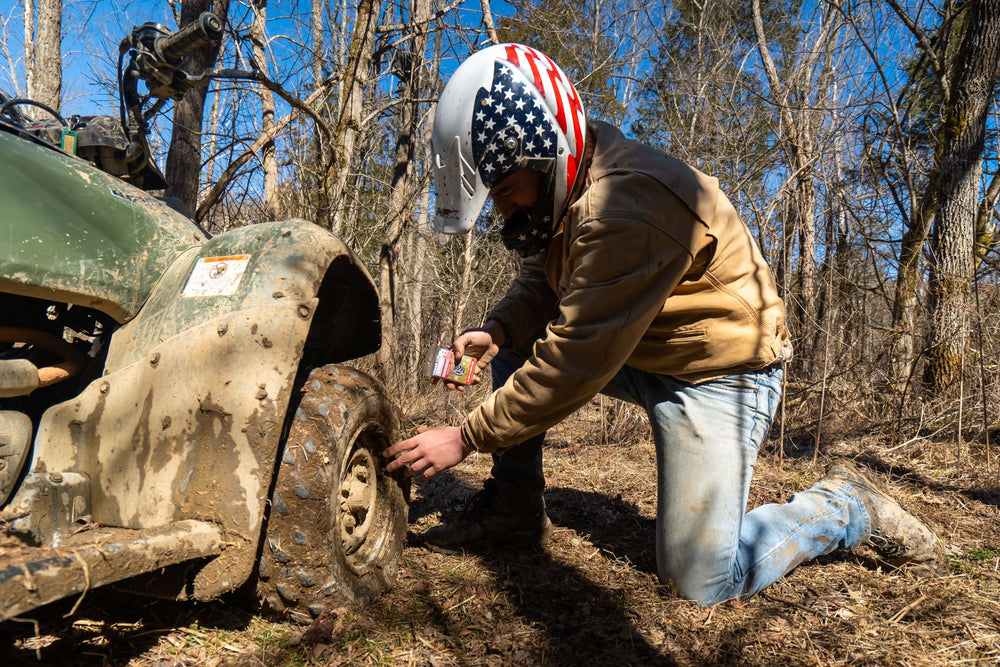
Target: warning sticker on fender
[[216, 276]]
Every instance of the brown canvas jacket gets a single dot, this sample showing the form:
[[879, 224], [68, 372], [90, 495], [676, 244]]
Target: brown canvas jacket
[[653, 269]]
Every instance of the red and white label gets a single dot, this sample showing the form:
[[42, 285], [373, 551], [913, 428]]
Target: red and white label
[[216, 276]]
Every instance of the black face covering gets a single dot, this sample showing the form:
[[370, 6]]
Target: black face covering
[[521, 234], [528, 232]]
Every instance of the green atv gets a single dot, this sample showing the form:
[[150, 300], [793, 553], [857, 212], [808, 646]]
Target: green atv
[[173, 412]]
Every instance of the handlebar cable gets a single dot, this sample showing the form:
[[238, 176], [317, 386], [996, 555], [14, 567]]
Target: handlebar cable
[[23, 100]]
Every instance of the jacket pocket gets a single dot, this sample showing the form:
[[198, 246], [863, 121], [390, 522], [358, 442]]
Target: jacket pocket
[[751, 311], [686, 335]]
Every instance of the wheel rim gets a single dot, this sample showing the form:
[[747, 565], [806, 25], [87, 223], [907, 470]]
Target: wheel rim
[[358, 498]]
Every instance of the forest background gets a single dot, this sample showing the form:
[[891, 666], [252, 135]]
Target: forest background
[[857, 138]]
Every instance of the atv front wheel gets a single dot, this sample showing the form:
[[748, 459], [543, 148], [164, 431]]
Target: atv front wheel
[[337, 519]]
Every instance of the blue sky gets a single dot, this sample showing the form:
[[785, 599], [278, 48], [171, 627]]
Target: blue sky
[[92, 30]]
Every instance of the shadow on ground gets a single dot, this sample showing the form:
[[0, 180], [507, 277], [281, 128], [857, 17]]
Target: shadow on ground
[[583, 622], [108, 628]]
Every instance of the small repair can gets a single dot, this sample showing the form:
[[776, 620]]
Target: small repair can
[[445, 367]]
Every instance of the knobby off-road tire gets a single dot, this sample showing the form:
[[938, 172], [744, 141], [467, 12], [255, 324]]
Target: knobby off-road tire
[[337, 519]]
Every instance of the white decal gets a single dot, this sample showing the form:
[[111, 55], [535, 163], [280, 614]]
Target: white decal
[[216, 276]]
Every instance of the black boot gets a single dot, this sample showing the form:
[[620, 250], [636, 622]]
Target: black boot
[[491, 519]]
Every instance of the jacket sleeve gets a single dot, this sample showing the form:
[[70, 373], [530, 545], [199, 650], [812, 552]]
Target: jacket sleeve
[[622, 271], [528, 305]]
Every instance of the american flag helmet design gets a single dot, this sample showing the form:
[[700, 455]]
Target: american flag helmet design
[[507, 106]]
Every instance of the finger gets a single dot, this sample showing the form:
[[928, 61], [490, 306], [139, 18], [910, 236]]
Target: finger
[[398, 463], [430, 472], [417, 430], [398, 448], [416, 467]]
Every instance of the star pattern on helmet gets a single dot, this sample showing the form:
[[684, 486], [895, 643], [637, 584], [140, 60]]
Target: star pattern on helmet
[[509, 124]]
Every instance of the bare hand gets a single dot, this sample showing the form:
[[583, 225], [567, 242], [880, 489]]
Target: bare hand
[[483, 344], [429, 451]]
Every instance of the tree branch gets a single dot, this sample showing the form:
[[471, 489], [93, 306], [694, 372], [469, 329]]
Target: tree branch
[[219, 188]]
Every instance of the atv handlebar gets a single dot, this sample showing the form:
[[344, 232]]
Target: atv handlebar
[[205, 30]]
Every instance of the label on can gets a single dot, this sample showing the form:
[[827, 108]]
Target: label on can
[[446, 368]]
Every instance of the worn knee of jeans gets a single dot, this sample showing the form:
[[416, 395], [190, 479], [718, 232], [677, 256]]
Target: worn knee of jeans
[[691, 583]]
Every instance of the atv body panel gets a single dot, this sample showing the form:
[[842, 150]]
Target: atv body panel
[[169, 450], [77, 235]]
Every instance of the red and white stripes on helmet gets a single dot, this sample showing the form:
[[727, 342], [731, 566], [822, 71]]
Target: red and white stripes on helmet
[[561, 97]]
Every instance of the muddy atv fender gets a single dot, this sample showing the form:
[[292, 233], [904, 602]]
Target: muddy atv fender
[[187, 421]]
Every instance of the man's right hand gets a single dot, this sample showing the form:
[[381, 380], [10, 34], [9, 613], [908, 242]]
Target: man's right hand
[[483, 344]]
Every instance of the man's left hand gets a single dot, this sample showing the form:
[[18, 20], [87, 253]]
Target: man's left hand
[[428, 452]]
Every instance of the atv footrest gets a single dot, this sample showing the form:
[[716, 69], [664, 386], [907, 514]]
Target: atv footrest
[[33, 576]]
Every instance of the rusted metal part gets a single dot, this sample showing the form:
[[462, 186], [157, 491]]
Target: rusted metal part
[[46, 375], [186, 422], [33, 576]]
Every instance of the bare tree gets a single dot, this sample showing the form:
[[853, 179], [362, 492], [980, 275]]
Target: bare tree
[[43, 52], [973, 87], [184, 157], [349, 121], [410, 67], [10, 66], [267, 154], [796, 100], [28, 21]]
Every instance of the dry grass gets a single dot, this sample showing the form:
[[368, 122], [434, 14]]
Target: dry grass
[[591, 597]]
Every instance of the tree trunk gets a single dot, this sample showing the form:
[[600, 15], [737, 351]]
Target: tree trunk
[[316, 62], [184, 156], [906, 304], [975, 78], [355, 81], [43, 54], [29, 47], [418, 259], [270, 209], [402, 193], [796, 98], [213, 134]]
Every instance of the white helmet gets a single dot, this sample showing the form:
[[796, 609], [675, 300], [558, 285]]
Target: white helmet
[[506, 107]]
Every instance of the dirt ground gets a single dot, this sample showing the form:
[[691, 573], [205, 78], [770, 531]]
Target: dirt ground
[[591, 597]]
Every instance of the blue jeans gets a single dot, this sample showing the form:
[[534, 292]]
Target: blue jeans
[[707, 437]]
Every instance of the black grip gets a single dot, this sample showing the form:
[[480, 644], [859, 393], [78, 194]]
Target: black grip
[[205, 30]]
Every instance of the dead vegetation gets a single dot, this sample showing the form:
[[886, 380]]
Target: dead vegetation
[[592, 597]]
